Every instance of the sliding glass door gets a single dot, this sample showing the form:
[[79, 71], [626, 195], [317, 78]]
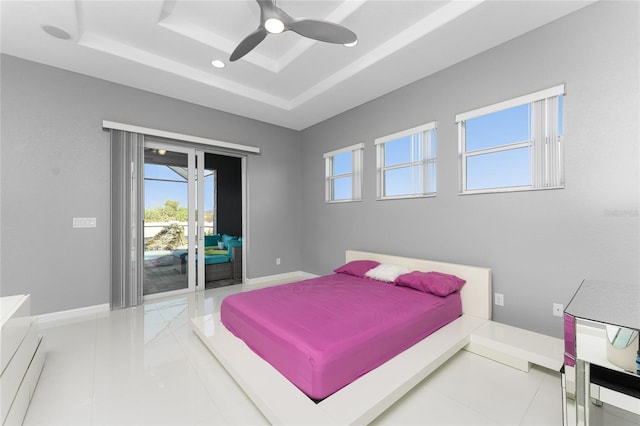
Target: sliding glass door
[[182, 222], [177, 215], [172, 219]]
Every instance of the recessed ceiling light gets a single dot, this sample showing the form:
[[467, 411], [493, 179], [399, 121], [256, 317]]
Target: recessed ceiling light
[[218, 63], [351, 44], [56, 32], [274, 25]]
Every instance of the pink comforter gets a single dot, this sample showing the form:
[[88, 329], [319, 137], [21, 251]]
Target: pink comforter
[[325, 332]]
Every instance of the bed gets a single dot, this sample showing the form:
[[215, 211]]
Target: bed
[[325, 332], [371, 389]]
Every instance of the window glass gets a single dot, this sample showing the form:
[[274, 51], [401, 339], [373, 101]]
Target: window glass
[[397, 151], [162, 172], [561, 115], [209, 202], [342, 164], [432, 148], [342, 188], [397, 182], [431, 178], [405, 181], [499, 128], [500, 169]]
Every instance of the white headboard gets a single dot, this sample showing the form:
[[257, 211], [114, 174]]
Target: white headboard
[[476, 293]]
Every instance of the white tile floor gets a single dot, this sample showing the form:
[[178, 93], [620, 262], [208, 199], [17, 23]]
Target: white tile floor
[[145, 366]]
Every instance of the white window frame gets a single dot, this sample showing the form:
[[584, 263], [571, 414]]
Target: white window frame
[[546, 145], [356, 173], [425, 163]]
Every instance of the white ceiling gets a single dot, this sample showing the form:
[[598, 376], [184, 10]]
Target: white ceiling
[[166, 46]]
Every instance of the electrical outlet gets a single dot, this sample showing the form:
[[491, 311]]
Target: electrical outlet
[[558, 309], [499, 299], [277, 260]]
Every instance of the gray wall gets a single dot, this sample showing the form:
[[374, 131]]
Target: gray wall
[[541, 244], [55, 166]]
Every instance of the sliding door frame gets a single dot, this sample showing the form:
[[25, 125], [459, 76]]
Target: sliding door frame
[[196, 142], [195, 238], [192, 236], [199, 218]]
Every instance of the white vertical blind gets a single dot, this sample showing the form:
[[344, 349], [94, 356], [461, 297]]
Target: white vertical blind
[[357, 173], [538, 145], [554, 145], [546, 149]]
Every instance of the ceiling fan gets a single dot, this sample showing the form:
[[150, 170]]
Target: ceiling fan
[[274, 20]]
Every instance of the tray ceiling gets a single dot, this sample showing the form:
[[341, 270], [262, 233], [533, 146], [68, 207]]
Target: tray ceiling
[[166, 47]]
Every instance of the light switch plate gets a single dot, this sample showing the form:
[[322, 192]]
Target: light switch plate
[[84, 222]]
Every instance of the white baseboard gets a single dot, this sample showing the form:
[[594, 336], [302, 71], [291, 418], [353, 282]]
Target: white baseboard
[[278, 278], [54, 319]]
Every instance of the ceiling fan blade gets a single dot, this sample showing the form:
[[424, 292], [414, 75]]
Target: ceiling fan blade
[[267, 9], [322, 30], [317, 30], [249, 43]]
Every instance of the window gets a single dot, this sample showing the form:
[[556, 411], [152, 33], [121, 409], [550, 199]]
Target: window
[[343, 174], [406, 163], [513, 145]]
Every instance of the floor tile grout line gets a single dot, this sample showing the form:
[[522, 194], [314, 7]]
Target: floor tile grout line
[[93, 379], [192, 363], [526, 412], [488, 415], [214, 292], [462, 403], [533, 399]]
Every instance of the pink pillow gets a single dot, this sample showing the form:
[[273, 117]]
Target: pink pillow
[[431, 282], [357, 268]]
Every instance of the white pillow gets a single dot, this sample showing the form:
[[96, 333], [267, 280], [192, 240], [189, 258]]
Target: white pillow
[[386, 272]]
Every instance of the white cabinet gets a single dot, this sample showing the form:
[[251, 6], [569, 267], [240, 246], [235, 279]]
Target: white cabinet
[[22, 356]]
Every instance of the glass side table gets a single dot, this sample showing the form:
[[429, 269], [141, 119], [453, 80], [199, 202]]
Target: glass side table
[[595, 306]]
